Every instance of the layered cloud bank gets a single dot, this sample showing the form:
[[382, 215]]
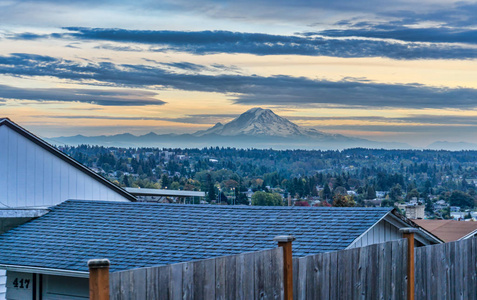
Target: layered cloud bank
[[390, 70], [406, 43], [250, 90]]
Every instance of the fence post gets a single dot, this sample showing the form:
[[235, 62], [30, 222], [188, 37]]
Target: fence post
[[98, 279], [285, 241], [408, 233]]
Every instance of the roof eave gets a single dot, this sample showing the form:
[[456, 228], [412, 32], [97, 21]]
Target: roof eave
[[394, 213], [45, 271], [370, 227], [423, 232], [470, 234]]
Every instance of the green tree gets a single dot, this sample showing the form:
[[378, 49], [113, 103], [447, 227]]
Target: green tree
[[266, 199], [340, 190], [210, 188], [343, 201], [126, 181], [395, 192], [164, 181], [370, 193], [413, 193], [326, 192], [459, 198]]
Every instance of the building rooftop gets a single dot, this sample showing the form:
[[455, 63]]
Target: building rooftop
[[133, 235], [448, 230], [160, 192]]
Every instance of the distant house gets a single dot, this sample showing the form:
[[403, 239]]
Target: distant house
[[35, 175], [450, 230], [455, 208], [134, 235], [440, 204], [413, 210]]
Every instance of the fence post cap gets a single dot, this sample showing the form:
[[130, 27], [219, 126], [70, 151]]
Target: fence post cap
[[99, 263], [284, 238], [408, 230]]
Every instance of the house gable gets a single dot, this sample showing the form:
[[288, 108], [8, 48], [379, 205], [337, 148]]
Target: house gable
[[387, 229], [35, 174]]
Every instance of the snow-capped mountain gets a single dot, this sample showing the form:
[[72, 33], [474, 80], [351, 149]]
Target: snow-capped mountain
[[255, 128], [262, 122]]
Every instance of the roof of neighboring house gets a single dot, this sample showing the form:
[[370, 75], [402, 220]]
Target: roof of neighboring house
[[133, 235], [159, 192], [40, 142], [449, 230]]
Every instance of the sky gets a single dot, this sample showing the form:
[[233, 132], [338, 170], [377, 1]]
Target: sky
[[399, 70]]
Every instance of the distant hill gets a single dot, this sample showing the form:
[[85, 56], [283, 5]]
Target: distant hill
[[255, 128], [452, 146]]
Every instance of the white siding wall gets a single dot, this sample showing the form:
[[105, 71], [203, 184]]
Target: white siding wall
[[19, 286], [53, 287], [380, 233], [32, 176], [3, 281]]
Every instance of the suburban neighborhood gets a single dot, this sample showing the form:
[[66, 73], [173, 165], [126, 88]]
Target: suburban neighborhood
[[59, 214], [249, 150]]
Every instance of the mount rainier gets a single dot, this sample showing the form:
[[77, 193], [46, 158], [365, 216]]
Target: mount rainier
[[255, 128]]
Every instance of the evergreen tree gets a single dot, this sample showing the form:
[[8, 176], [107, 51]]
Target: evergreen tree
[[370, 193], [164, 181], [327, 192], [210, 188]]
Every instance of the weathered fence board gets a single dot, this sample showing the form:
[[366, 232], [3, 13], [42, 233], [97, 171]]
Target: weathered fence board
[[256, 275], [372, 272], [447, 271], [444, 271]]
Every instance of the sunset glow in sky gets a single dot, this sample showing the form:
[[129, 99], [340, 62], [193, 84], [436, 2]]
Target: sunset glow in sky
[[381, 70]]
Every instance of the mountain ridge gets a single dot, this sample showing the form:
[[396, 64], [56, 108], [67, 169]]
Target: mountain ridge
[[255, 128]]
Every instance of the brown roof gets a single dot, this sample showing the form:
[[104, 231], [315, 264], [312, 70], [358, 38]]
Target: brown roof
[[448, 230]]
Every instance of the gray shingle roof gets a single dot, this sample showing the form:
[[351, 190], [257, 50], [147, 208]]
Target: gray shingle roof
[[133, 235]]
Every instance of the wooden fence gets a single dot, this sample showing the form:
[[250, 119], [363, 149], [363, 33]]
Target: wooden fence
[[447, 271], [444, 271], [255, 275], [371, 272]]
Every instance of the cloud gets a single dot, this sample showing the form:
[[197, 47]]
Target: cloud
[[437, 130], [453, 120], [441, 119], [202, 119], [99, 97], [189, 119], [123, 48], [28, 36], [279, 10], [433, 35], [186, 66], [301, 91], [97, 117], [414, 118], [449, 23], [280, 90], [450, 14], [213, 42]]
